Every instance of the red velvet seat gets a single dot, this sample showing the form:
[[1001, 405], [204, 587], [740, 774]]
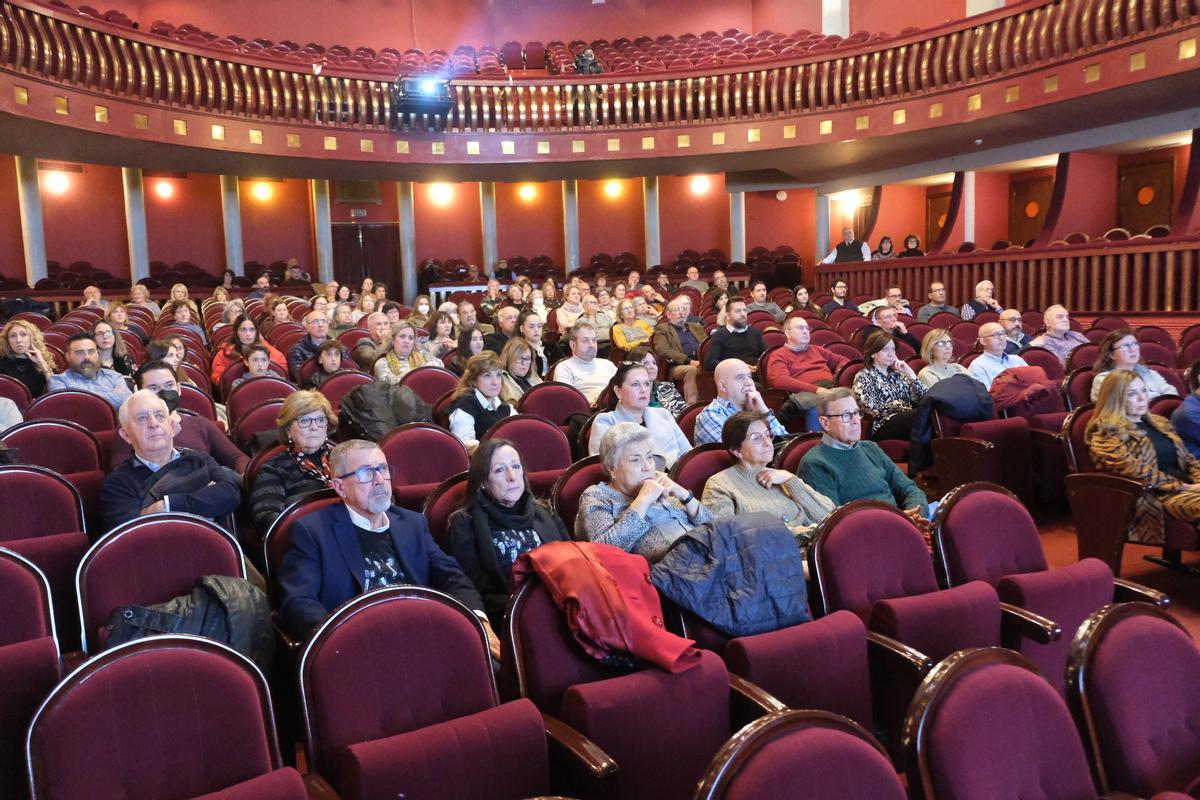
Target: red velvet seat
[[687, 417], [400, 701], [564, 497], [553, 401], [543, 446], [1041, 357], [421, 456], [16, 391], [251, 393], [338, 385], [447, 497], [1082, 356], [790, 455], [238, 369], [84, 408], [164, 717], [788, 756], [1077, 387], [429, 383], [149, 560], [1155, 354], [68, 449], [1132, 684], [256, 420], [984, 533], [197, 401], [697, 465]]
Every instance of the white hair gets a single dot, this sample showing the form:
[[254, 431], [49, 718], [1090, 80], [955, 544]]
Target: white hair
[[616, 439]]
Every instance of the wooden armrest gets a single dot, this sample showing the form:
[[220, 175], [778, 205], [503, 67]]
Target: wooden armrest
[[755, 694], [887, 648], [961, 459], [1129, 592], [71, 660], [599, 763], [291, 644], [1022, 623], [317, 788]]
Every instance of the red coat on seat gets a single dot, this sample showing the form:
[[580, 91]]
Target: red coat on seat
[[1026, 391]]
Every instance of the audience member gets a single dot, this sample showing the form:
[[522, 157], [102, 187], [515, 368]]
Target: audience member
[[262, 285], [228, 278], [85, 373], [179, 294], [736, 340], [645, 311], [1186, 418], [161, 477], [629, 331], [531, 327], [330, 291], [994, 359], [583, 369], [373, 347], [800, 366], [849, 249], [492, 298], [735, 392], [280, 313], [639, 509], [442, 336], [888, 389], [983, 301], [571, 310], [894, 298], [329, 363], [663, 394], [304, 424], [678, 341], [139, 295], [500, 519], [295, 273], [633, 281], [938, 351], [1125, 439], [181, 317], [1016, 339], [537, 305], [599, 319], [693, 280], [629, 392], [802, 302], [887, 321], [317, 325], [343, 318], [912, 247], [520, 374], [468, 317], [25, 357], [403, 356], [191, 431], [885, 250], [245, 336], [92, 298], [470, 343], [361, 544], [1059, 338], [937, 302], [365, 306], [118, 317], [663, 287], [840, 291], [845, 468], [1121, 350], [477, 403], [759, 302], [751, 485], [220, 294], [421, 310], [506, 328], [550, 296], [257, 362]]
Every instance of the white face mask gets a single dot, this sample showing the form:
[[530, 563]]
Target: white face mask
[[424, 309]]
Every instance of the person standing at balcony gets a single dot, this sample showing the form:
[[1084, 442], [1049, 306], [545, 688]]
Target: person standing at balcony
[[586, 64], [849, 249]]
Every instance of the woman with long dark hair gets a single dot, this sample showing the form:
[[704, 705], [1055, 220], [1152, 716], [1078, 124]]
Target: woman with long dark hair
[[245, 336]]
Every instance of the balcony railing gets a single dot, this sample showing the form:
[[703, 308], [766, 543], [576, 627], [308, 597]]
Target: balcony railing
[[90, 55]]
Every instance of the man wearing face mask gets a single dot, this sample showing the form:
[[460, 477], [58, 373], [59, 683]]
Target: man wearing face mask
[[192, 431]]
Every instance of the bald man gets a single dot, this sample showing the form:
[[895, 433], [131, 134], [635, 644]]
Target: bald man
[[1059, 338], [735, 392], [988, 365]]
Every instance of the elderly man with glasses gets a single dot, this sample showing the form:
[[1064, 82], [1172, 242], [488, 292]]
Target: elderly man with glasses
[[361, 544], [994, 359]]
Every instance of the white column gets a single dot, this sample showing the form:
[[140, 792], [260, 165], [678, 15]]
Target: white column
[[408, 240], [979, 6], [135, 223], [231, 217], [835, 17], [653, 225], [322, 229], [570, 192], [487, 213], [33, 235], [737, 226], [822, 227], [968, 206]]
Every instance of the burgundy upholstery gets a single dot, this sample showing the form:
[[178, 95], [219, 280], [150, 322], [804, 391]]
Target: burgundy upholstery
[[444, 500], [693, 468], [682, 719], [992, 728], [553, 401], [16, 391], [793, 452], [336, 387], [687, 419], [1011, 438], [249, 394], [277, 539], [47, 443], [24, 598], [564, 497], [155, 719], [197, 401], [148, 561], [28, 671], [282, 784], [1078, 387], [1041, 357], [821, 664], [257, 420], [422, 456], [938, 623], [543, 446], [89, 410], [429, 383], [984, 533], [1138, 677]]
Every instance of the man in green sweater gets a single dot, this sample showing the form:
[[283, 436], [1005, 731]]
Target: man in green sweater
[[844, 468]]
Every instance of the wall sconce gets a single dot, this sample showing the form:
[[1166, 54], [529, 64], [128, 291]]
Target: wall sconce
[[612, 189], [441, 193], [56, 182], [527, 192], [164, 190], [700, 184]]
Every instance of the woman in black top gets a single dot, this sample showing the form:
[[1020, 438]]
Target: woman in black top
[[24, 356], [477, 403], [305, 424], [912, 247], [113, 354], [470, 343], [499, 521]]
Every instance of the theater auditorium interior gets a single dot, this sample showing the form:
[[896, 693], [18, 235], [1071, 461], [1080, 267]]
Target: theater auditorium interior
[[502, 399]]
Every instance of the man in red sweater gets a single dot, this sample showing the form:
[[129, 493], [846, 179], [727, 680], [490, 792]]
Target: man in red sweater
[[799, 366]]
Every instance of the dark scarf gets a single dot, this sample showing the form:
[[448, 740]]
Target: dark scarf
[[314, 465], [487, 515]]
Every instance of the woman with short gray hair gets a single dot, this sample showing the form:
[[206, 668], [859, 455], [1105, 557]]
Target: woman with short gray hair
[[638, 509]]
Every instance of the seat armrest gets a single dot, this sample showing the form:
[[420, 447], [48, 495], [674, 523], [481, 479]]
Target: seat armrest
[[751, 694], [1019, 623], [896, 670], [1129, 592], [962, 459], [317, 788], [71, 660], [886, 649], [1102, 507], [599, 763]]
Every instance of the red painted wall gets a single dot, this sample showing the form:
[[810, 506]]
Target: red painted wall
[[12, 255], [187, 225], [901, 212], [612, 224], [991, 208], [771, 222], [884, 16], [689, 220], [785, 16], [386, 210], [453, 230], [1090, 204], [87, 221], [278, 227], [530, 227]]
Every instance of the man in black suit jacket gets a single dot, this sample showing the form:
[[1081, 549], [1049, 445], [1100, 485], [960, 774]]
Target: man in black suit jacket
[[362, 544], [147, 426]]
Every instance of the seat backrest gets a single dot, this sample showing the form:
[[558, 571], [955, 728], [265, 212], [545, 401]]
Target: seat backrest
[[787, 756], [845, 375], [387, 663], [429, 383], [16, 391], [982, 532], [979, 703], [687, 419], [1124, 711], [1156, 354], [1079, 455], [1078, 387], [336, 387], [553, 401], [867, 551], [542, 444], [422, 453], [181, 698], [258, 419], [1082, 356], [197, 401], [278, 537], [63, 446], [89, 410], [25, 598], [789, 457], [248, 394], [35, 501], [699, 464], [150, 560], [564, 497], [1041, 357], [443, 501]]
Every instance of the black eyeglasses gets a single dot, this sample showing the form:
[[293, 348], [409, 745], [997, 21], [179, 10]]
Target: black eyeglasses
[[845, 416], [366, 474]]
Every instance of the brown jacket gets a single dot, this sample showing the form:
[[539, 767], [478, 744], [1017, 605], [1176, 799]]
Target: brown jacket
[[666, 343]]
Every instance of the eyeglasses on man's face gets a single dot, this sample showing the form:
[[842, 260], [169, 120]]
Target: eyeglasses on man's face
[[995, 336], [367, 473], [846, 416]]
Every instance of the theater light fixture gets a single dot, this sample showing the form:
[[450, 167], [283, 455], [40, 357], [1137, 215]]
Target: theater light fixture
[[164, 189], [781, 195], [441, 193], [850, 199], [700, 184], [261, 191], [527, 192], [612, 188], [56, 182]]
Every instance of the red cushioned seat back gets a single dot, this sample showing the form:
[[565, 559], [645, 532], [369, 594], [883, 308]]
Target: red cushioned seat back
[[64, 447], [982, 533], [337, 387], [564, 497], [1144, 717], [89, 410], [866, 551], [693, 468], [169, 717], [1041, 357], [444, 500], [553, 401], [1079, 455], [1011, 438], [16, 391], [35, 502], [939, 623], [248, 394], [421, 455], [430, 383], [257, 420], [25, 598], [1078, 387], [150, 560], [542, 445], [794, 451], [392, 662], [278, 537]]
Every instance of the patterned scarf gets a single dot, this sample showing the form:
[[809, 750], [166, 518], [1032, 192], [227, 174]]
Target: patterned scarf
[[314, 465]]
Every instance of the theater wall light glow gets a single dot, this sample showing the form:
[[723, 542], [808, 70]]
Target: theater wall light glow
[[56, 182], [612, 188], [441, 193]]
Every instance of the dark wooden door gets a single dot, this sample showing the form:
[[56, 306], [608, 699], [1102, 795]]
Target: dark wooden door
[[1028, 203], [367, 250], [937, 209], [1144, 193]]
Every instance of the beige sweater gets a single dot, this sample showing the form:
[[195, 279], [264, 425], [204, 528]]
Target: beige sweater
[[735, 491]]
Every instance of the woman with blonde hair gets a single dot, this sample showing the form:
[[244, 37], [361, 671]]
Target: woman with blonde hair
[[1125, 439], [118, 317], [477, 403], [25, 356], [571, 309], [179, 294], [520, 370], [937, 348], [366, 305], [404, 355], [304, 423], [628, 331], [422, 310], [220, 294]]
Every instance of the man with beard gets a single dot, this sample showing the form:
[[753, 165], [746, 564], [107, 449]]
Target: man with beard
[[361, 544], [85, 373]]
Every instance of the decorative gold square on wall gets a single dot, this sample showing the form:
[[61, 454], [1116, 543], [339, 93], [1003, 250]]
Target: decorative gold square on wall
[[472, 148], [508, 148], [402, 148], [826, 127], [614, 145], [62, 105], [789, 131], [647, 142], [218, 133], [899, 116], [543, 148], [141, 121], [331, 143], [1050, 84], [936, 110], [1091, 73], [21, 95], [180, 127], [974, 102], [1137, 61], [754, 135], [256, 136], [438, 148], [1012, 94], [1187, 48], [366, 145], [578, 146], [683, 140], [862, 122], [102, 114], [293, 140], [718, 137]]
